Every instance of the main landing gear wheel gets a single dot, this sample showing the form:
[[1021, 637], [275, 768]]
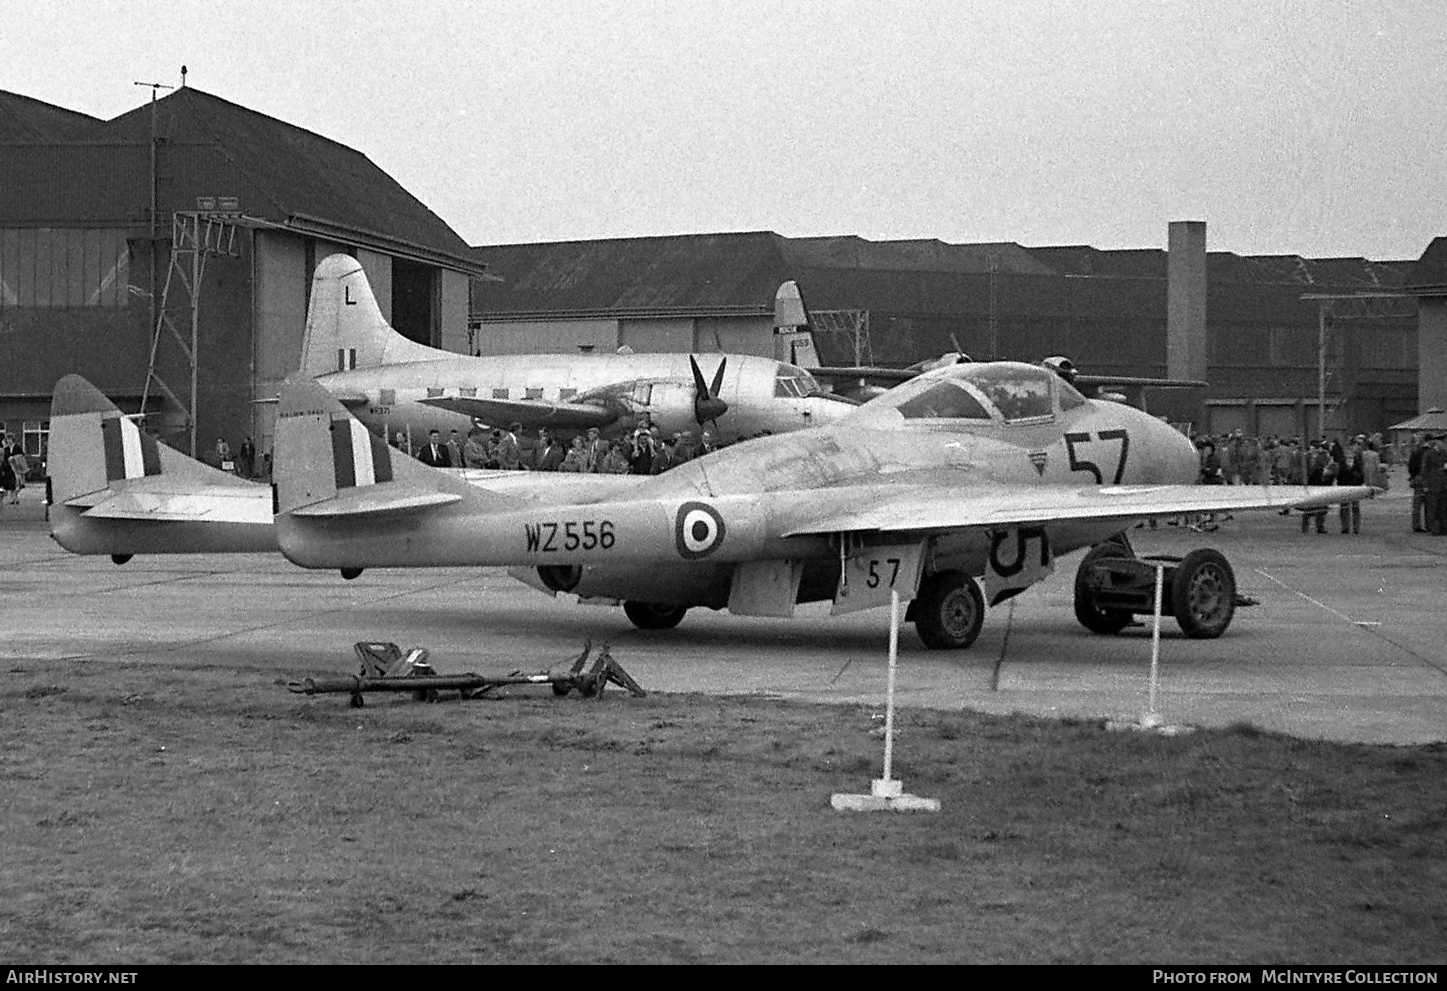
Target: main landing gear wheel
[[1204, 594], [949, 611], [1091, 616], [651, 616]]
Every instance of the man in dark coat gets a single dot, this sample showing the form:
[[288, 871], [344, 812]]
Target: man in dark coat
[[1434, 483], [434, 452]]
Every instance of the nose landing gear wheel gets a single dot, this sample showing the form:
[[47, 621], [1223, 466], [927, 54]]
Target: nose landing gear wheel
[[949, 611], [1204, 593]]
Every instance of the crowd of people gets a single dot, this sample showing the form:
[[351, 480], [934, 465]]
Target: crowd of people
[[643, 451], [1237, 459]]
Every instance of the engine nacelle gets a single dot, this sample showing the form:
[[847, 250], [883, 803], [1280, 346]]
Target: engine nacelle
[[560, 577]]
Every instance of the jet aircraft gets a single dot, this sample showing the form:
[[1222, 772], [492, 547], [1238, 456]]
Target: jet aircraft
[[967, 475], [393, 384]]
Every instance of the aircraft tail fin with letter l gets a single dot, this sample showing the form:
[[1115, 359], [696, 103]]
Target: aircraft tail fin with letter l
[[345, 328]]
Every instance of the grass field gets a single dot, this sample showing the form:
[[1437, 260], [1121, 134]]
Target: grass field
[[221, 819]]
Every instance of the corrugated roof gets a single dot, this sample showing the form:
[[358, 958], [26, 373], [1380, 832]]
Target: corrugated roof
[[692, 273], [682, 273], [211, 147], [1083, 260], [292, 170], [25, 119], [915, 255], [1429, 273]]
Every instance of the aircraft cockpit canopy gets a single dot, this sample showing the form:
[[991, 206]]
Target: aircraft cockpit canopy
[[793, 381], [1008, 391]]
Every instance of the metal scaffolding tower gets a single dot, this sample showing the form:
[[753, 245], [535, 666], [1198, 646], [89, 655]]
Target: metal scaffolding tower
[[195, 237], [854, 323]]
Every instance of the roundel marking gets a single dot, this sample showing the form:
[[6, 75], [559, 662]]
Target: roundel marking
[[698, 529]]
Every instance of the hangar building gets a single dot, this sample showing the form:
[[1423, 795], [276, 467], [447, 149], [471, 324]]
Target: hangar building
[[96, 217], [103, 225], [895, 302]]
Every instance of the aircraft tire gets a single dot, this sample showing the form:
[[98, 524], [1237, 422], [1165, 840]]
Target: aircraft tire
[[651, 616], [1204, 594], [1103, 621], [949, 611]]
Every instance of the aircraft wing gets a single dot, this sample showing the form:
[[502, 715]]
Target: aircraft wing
[[933, 509], [1105, 381], [179, 504], [895, 375], [530, 413]]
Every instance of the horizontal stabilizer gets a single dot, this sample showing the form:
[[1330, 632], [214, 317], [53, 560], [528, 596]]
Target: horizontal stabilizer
[[530, 413], [375, 501], [251, 504]]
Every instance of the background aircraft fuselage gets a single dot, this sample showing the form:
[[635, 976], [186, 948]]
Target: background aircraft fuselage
[[762, 394]]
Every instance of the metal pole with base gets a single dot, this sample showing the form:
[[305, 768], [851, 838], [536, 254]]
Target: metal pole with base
[[887, 793], [1152, 718]]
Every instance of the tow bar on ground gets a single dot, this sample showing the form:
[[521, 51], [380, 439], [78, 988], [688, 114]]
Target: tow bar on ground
[[385, 668]]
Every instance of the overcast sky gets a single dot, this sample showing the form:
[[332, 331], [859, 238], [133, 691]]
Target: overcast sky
[[1312, 127]]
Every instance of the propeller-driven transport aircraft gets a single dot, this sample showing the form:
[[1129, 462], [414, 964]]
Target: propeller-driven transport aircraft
[[393, 384], [968, 475]]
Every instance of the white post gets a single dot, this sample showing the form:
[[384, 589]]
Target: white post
[[889, 691], [1151, 718]]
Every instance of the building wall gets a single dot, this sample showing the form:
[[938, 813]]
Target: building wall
[[655, 335], [735, 335], [547, 336], [1432, 354], [69, 304]]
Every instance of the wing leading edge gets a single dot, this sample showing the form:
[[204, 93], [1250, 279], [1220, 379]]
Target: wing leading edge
[[530, 413], [943, 508]]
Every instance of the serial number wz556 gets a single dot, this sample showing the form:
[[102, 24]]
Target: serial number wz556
[[571, 535]]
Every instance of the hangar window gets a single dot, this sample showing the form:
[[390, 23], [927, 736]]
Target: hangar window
[[35, 438], [434, 393], [499, 393], [567, 393], [468, 392], [53, 268], [534, 394]]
